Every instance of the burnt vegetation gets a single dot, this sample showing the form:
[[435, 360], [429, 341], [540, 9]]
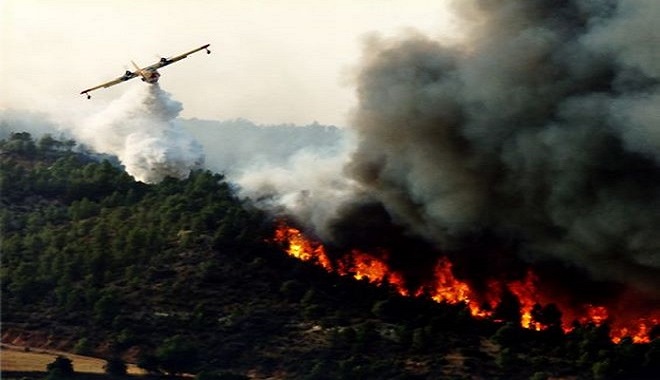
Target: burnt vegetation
[[183, 277]]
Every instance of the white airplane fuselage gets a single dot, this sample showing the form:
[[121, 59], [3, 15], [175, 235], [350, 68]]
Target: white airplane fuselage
[[150, 76]]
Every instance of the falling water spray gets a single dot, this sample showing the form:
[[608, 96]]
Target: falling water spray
[[140, 128]]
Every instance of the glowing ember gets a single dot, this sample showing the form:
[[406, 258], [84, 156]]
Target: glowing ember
[[445, 287], [642, 333], [595, 314], [637, 331]]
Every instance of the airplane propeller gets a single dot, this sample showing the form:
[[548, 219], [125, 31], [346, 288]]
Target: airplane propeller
[[148, 73]]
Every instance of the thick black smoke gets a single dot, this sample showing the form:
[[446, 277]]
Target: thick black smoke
[[538, 137], [534, 141]]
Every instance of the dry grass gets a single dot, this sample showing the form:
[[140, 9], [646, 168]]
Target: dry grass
[[14, 358]]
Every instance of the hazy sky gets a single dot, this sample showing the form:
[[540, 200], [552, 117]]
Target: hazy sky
[[272, 62]]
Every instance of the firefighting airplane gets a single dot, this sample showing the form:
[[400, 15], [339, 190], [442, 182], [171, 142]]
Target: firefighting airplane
[[149, 74]]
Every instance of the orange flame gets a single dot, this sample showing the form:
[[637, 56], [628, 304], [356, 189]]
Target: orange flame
[[302, 248], [596, 315], [638, 331], [447, 288], [527, 295], [637, 328], [365, 266], [359, 264]]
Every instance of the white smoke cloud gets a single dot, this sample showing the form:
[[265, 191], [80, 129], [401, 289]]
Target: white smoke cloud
[[140, 129], [311, 185], [37, 124]]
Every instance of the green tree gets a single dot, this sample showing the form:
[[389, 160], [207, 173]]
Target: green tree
[[602, 370], [212, 375], [148, 362], [106, 308], [548, 315], [115, 367], [177, 355], [652, 356], [60, 367], [83, 347], [540, 376], [21, 143], [507, 359], [508, 309], [595, 339], [47, 143], [367, 336], [420, 340], [508, 335], [293, 290]]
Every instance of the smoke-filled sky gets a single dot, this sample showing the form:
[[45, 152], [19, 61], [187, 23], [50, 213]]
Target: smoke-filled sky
[[530, 131], [537, 138], [273, 61]]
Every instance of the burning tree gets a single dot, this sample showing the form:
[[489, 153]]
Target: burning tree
[[521, 301]]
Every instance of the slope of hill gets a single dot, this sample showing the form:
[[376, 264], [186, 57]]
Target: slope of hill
[[183, 276]]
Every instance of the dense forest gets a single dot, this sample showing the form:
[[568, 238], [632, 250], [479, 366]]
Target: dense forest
[[183, 277]]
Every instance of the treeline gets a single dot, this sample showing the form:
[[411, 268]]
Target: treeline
[[72, 225], [182, 277], [81, 240]]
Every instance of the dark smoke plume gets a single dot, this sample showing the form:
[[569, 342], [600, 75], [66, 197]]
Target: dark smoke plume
[[539, 136], [535, 141]]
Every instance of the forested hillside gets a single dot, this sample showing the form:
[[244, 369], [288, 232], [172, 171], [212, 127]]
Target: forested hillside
[[183, 277]]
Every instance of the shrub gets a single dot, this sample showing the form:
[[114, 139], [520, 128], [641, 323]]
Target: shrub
[[540, 376], [293, 290], [507, 336], [207, 375], [61, 367], [115, 366], [177, 355], [602, 370], [82, 347]]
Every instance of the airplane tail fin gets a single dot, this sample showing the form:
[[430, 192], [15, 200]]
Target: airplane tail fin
[[139, 71]]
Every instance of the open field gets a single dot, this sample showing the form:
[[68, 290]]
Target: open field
[[20, 359]]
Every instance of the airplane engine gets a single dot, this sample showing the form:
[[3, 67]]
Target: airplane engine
[[147, 74]]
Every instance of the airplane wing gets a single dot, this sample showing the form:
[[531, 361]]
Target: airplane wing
[[130, 75], [168, 61], [123, 78]]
